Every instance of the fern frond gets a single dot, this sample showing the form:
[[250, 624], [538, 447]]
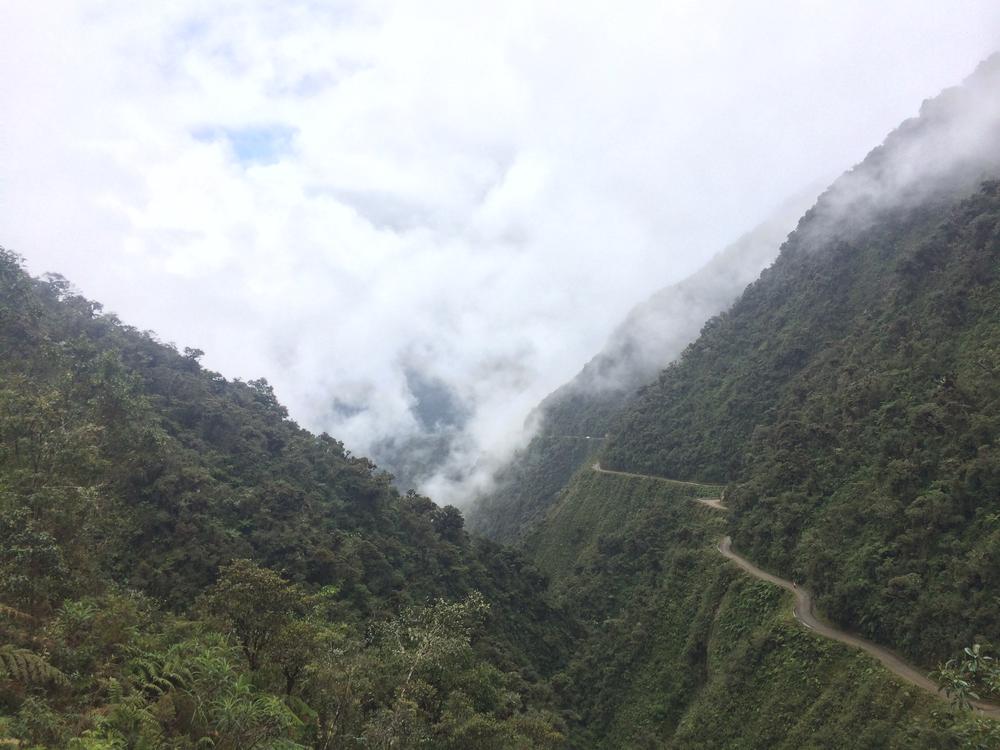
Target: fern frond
[[115, 691], [155, 676], [27, 667]]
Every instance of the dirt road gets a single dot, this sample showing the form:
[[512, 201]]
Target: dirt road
[[597, 467], [805, 613]]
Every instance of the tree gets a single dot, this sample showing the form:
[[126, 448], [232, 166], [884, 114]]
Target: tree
[[448, 523], [961, 678], [255, 603], [294, 647], [431, 637], [424, 642], [33, 569]]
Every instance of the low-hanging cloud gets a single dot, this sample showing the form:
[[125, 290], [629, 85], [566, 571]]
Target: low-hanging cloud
[[420, 218], [949, 148]]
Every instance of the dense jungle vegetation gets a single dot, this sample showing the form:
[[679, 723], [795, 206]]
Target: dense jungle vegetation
[[853, 397], [686, 651], [653, 333], [181, 565], [850, 401]]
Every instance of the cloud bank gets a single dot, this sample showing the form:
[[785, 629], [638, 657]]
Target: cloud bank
[[420, 217]]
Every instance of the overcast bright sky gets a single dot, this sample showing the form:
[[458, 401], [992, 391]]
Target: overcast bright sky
[[327, 193]]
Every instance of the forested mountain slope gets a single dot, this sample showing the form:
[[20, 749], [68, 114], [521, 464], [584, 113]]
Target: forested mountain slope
[[684, 650], [651, 336], [181, 566], [850, 401], [132, 484], [852, 395]]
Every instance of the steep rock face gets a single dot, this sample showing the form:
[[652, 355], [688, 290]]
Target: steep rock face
[[853, 392], [573, 419]]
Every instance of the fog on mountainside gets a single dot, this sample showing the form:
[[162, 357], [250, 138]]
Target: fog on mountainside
[[951, 146], [926, 163], [952, 142], [567, 426], [946, 150], [442, 461], [851, 398], [657, 330]]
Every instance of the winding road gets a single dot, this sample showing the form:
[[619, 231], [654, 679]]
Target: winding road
[[599, 470], [805, 613]]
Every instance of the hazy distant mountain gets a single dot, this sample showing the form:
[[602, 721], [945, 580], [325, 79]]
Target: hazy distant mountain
[[652, 335]]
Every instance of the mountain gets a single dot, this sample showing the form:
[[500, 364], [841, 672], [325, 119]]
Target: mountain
[[851, 396], [849, 402], [572, 421], [182, 565]]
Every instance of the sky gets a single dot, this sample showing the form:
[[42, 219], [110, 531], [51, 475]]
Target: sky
[[349, 198]]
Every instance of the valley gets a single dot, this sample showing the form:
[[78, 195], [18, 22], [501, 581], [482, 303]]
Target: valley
[[183, 566]]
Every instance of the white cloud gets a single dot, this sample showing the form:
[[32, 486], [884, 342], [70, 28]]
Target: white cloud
[[325, 194]]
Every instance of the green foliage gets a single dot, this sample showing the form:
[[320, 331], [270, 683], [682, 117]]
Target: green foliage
[[182, 566], [431, 639], [973, 676], [852, 396], [684, 651], [255, 605], [28, 668]]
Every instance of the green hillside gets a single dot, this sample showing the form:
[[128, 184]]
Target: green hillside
[[183, 567], [132, 484], [652, 335], [852, 395], [850, 401], [685, 651]]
